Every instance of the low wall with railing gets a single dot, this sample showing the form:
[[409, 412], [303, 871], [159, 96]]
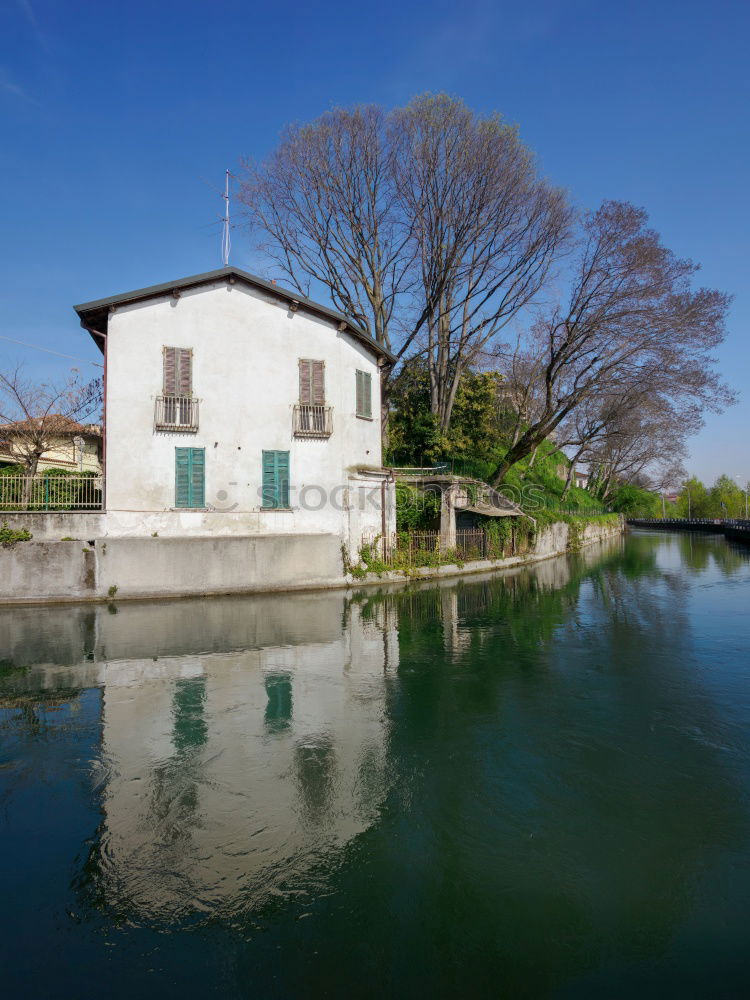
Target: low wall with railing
[[421, 550]]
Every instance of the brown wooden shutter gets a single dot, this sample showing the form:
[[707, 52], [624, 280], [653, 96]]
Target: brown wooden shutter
[[305, 382], [318, 383], [185, 377], [170, 371]]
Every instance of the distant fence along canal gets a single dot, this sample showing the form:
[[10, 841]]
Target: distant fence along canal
[[737, 529]]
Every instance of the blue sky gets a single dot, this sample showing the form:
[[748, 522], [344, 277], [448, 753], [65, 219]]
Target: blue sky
[[117, 119]]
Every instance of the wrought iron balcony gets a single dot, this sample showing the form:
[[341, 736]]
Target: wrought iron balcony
[[176, 413], [313, 421]]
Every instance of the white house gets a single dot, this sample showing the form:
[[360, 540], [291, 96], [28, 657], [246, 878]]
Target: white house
[[235, 406]]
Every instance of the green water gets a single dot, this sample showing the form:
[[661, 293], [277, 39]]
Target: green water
[[526, 785]]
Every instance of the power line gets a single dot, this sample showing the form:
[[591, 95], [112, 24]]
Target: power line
[[35, 347]]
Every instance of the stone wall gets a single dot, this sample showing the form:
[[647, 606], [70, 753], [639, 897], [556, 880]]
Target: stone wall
[[164, 567], [97, 568]]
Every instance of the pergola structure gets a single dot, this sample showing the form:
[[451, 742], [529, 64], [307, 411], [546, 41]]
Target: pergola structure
[[458, 493]]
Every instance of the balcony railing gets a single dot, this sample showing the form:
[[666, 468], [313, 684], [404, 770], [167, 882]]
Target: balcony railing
[[313, 421], [176, 413], [50, 492]]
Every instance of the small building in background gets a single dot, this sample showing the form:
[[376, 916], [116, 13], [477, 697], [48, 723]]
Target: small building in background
[[72, 447], [581, 479]]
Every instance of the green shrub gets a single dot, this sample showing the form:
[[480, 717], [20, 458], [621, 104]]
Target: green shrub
[[9, 536]]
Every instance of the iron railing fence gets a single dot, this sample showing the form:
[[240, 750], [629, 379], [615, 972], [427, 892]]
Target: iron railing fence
[[176, 413], [312, 421], [681, 520], [45, 492], [419, 548]]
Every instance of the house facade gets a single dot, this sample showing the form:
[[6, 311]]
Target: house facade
[[234, 406], [72, 447]]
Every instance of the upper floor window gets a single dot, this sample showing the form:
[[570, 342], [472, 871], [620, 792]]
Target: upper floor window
[[178, 371], [364, 395], [312, 386], [177, 409]]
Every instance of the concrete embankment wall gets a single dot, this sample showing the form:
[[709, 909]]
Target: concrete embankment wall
[[167, 567], [103, 568]]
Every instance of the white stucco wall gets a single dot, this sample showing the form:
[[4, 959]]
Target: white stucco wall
[[246, 346]]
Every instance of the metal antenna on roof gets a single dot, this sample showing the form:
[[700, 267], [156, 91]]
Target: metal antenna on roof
[[226, 243]]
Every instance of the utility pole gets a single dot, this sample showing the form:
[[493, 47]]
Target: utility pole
[[663, 508]]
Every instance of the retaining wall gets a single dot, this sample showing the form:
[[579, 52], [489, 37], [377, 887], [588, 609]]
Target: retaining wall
[[167, 567], [102, 568]]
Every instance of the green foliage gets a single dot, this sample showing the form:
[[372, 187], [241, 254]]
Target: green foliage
[[9, 536], [725, 499], [539, 487], [474, 432], [629, 499], [416, 509], [693, 500], [112, 590]]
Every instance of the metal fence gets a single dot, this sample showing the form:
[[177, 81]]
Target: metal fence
[[19, 494], [420, 548]]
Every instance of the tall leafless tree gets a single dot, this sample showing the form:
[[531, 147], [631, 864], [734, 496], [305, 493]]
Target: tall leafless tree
[[484, 227], [631, 318], [428, 225]]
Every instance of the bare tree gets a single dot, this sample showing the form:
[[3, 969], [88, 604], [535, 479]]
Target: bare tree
[[428, 225], [644, 443], [631, 318], [35, 415], [485, 230], [325, 207]]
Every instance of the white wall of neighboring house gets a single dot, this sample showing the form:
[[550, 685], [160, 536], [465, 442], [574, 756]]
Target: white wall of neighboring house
[[246, 345]]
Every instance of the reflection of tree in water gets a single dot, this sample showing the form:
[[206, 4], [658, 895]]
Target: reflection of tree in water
[[569, 769]]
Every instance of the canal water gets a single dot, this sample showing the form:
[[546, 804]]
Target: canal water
[[534, 784]]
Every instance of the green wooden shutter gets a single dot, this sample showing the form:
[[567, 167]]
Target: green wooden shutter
[[282, 477], [275, 479], [182, 477], [198, 478], [190, 477]]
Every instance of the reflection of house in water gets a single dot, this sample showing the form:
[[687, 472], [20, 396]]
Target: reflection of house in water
[[230, 772]]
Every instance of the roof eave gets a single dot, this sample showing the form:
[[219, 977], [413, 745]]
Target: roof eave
[[97, 310]]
